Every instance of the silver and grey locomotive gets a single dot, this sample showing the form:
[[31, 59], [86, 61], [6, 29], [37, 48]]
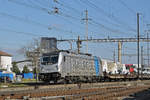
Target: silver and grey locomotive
[[69, 67]]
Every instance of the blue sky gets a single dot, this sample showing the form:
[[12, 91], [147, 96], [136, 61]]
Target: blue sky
[[23, 20]]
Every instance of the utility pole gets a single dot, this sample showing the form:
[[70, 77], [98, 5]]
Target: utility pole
[[78, 44], [148, 45], [114, 56], [138, 42], [119, 51], [142, 64], [86, 29], [147, 49], [35, 59]]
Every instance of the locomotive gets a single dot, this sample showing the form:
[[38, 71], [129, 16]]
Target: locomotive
[[71, 67]]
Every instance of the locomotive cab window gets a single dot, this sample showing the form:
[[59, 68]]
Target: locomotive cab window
[[49, 60]]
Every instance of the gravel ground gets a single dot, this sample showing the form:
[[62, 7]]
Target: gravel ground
[[143, 95]]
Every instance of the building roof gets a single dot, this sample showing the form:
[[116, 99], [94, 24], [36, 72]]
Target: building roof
[[4, 54]]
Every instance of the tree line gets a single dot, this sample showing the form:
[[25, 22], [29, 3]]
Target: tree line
[[16, 70]]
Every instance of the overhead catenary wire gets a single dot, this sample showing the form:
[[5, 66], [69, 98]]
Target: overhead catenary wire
[[28, 5], [39, 3], [103, 26], [19, 32], [106, 21], [102, 19], [79, 12], [65, 15], [62, 4], [115, 19], [23, 19], [68, 15], [107, 28], [35, 23], [59, 12], [144, 25], [35, 4], [108, 15], [45, 10], [67, 6], [125, 5]]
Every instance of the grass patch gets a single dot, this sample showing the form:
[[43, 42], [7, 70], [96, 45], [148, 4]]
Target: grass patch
[[23, 83], [16, 85], [28, 80], [3, 85]]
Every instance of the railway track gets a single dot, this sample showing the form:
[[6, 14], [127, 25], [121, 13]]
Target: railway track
[[99, 91], [69, 86]]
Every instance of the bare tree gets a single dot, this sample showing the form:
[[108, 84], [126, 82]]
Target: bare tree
[[32, 52]]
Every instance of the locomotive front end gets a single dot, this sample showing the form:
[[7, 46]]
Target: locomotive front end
[[49, 67]]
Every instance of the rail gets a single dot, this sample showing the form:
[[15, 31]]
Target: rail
[[103, 91]]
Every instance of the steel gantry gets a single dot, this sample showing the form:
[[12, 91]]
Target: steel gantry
[[119, 40], [107, 40]]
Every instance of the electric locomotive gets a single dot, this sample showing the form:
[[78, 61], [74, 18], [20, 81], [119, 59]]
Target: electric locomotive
[[70, 67]]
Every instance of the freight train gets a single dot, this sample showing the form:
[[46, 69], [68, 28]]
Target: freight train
[[70, 67]]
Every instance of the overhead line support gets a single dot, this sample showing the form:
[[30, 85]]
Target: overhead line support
[[138, 42]]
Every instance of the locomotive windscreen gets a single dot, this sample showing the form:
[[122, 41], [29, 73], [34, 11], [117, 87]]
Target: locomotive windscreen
[[49, 60]]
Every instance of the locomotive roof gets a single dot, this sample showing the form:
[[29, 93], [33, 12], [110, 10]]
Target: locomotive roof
[[51, 53], [66, 51]]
